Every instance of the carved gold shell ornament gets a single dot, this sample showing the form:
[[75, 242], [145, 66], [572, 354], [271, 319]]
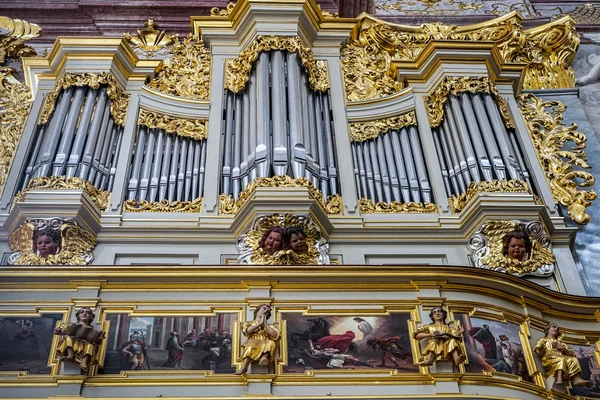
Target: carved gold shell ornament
[[487, 248], [252, 253], [75, 246], [550, 136]]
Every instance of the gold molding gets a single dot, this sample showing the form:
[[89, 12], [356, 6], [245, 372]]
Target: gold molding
[[187, 72], [150, 39], [458, 203], [434, 103], [100, 198], [196, 129], [194, 206], [12, 43], [237, 70], [361, 131], [549, 136], [366, 206], [15, 104], [227, 205], [119, 100]]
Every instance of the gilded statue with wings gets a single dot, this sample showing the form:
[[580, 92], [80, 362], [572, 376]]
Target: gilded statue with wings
[[53, 241], [513, 247]]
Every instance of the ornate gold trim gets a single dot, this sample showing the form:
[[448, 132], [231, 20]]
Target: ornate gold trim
[[366, 206], [217, 12], [194, 206], [237, 70], [196, 129], [361, 131], [458, 203], [434, 103], [12, 43], [119, 100], [15, 103], [187, 72], [227, 205], [549, 136], [100, 197], [150, 39]]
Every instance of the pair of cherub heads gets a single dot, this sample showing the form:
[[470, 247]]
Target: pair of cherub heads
[[277, 238]]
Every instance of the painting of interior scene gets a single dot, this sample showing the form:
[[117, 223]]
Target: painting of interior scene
[[493, 346], [25, 343], [169, 343], [589, 361], [348, 342]]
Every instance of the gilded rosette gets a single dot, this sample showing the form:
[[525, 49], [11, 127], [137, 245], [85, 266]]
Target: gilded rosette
[[196, 129], [237, 70], [15, 103], [458, 203], [187, 72], [361, 131], [434, 103], [119, 100], [227, 205], [12, 43], [100, 197], [550, 136], [366, 206], [194, 206]]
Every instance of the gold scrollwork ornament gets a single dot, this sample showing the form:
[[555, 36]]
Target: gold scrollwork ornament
[[458, 203], [194, 206], [366, 206], [195, 129], [361, 131], [100, 198]]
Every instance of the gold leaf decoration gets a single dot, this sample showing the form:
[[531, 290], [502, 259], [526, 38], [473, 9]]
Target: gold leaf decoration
[[434, 103], [119, 100], [187, 72], [366, 206], [458, 203], [237, 70], [361, 131], [195, 129], [217, 12], [100, 197], [15, 103], [194, 206], [227, 205], [496, 260], [12, 43], [150, 39], [550, 136]]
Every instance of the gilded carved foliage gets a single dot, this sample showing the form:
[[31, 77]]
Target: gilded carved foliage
[[100, 197], [550, 135], [458, 203], [194, 206], [119, 100], [227, 205], [434, 103], [361, 131], [15, 103], [12, 43], [237, 70], [75, 243], [187, 72], [196, 129], [366, 206], [487, 248]]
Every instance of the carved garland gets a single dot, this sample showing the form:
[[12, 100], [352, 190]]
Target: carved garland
[[366, 206], [194, 206], [119, 100], [458, 203], [227, 205], [194, 129], [457, 85], [361, 131], [549, 136], [187, 72], [237, 70]]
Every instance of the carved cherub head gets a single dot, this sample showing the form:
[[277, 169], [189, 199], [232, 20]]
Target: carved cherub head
[[516, 245], [46, 242], [85, 315], [295, 240], [272, 239]]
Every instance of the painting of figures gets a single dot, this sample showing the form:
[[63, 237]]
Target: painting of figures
[[349, 342], [25, 343], [493, 346], [590, 370], [169, 343]]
